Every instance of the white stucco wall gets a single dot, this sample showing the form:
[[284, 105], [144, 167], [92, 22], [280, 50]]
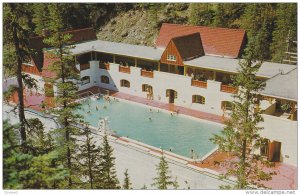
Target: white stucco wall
[[284, 131], [9, 82], [275, 128]]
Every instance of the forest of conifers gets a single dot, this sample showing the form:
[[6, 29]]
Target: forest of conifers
[[275, 22]]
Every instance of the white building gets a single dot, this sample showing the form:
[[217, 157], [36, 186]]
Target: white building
[[191, 67]]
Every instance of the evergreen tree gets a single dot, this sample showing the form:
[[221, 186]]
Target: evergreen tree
[[107, 173], [286, 25], [89, 161], [66, 83], [24, 170], [16, 25], [262, 45], [260, 17], [163, 179], [153, 12], [201, 14], [241, 136], [126, 183], [38, 141], [227, 14], [40, 17]]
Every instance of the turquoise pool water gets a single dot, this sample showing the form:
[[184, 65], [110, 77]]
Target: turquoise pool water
[[158, 129]]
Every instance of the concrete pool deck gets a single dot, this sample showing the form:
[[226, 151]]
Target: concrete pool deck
[[286, 177]]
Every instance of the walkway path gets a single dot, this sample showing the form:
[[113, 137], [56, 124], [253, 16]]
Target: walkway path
[[170, 107]]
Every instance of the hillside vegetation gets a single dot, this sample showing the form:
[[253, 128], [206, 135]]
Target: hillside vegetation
[[270, 24]]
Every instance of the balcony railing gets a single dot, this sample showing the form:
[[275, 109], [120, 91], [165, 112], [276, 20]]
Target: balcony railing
[[145, 73], [104, 66], [124, 69], [84, 66], [197, 83], [228, 89]]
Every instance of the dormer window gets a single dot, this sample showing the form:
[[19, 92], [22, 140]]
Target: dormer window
[[171, 58]]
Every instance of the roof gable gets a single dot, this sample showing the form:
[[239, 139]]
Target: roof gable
[[189, 46], [171, 50], [216, 41], [37, 44]]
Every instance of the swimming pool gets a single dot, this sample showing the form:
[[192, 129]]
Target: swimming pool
[[153, 127]]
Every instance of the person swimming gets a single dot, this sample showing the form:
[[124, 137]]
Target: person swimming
[[97, 108], [105, 107], [150, 119]]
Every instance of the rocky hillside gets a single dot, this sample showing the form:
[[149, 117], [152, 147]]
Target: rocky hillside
[[132, 27], [141, 26]]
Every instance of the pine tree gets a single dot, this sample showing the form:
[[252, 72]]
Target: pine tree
[[201, 14], [107, 173], [40, 17], [227, 14], [241, 136], [89, 160], [25, 170], [256, 17], [16, 25], [163, 180], [126, 183], [286, 25], [38, 141], [65, 81]]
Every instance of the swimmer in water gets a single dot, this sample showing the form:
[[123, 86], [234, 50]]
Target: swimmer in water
[[88, 112], [97, 107], [105, 107], [150, 119]]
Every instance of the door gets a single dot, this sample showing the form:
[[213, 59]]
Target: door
[[171, 96], [274, 151]]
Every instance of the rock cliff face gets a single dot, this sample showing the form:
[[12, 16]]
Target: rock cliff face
[[134, 27]]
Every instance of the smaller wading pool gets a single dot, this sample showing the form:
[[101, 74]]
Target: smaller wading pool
[[153, 126]]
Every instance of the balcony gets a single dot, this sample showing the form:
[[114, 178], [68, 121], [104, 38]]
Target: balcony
[[84, 67], [104, 66], [124, 69], [145, 73], [228, 89], [197, 83]]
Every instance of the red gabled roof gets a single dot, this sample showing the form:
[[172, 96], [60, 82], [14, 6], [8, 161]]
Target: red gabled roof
[[216, 41], [36, 43]]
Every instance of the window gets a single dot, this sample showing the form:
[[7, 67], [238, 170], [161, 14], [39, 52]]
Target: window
[[84, 66], [146, 88], [85, 80], [264, 148], [104, 79], [198, 99], [226, 105], [171, 58], [125, 83]]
